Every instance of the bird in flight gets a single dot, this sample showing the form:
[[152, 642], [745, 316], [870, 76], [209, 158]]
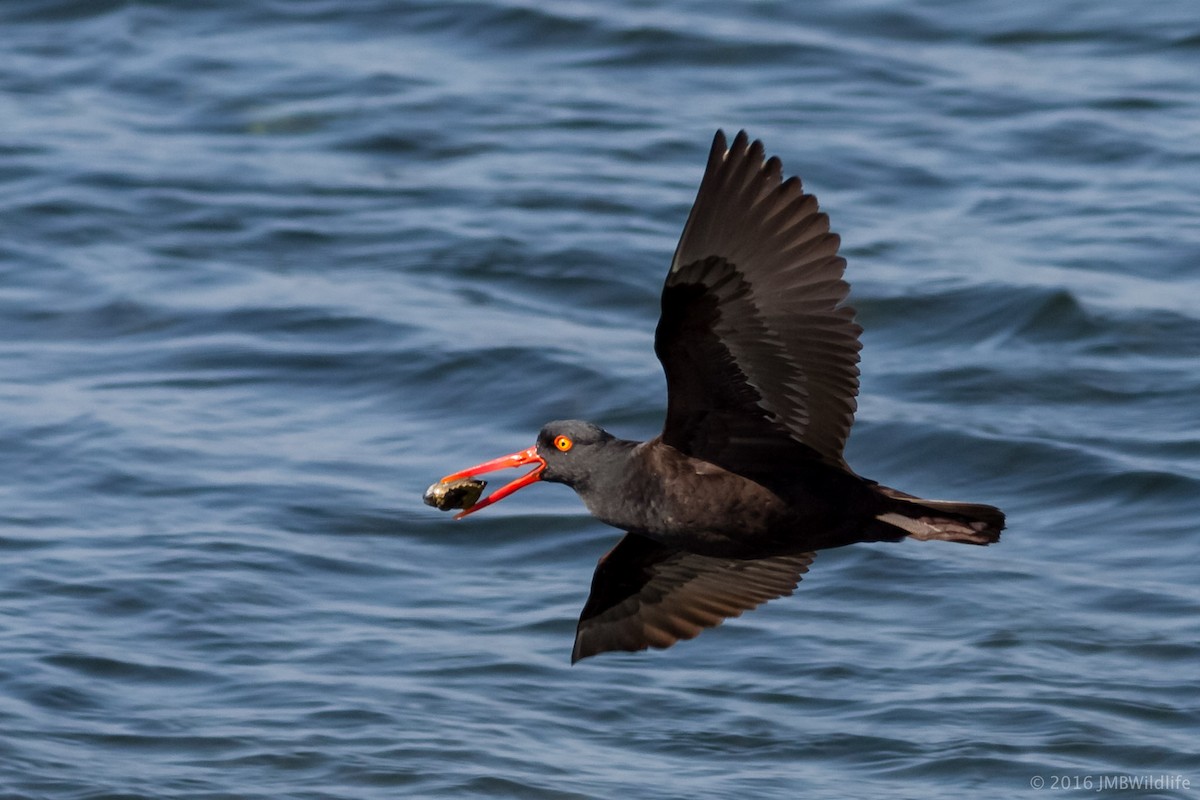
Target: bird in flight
[[727, 507]]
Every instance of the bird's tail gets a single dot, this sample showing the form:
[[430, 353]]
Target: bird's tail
[[969, 523]]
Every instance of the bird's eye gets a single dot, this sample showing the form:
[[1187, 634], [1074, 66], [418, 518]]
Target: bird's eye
[[563, 443]]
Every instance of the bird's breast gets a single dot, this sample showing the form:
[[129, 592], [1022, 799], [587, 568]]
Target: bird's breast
[[692, 504]]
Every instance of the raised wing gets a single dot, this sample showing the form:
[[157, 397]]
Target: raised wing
[[645, 594], [759, 348]]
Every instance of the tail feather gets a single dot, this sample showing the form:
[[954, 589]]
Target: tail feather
[[969, 523]]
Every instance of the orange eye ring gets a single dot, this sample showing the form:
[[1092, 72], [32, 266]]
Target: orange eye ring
[[563, 443]]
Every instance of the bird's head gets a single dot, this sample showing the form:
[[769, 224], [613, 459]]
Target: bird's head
[[566, 452], [570, 450]]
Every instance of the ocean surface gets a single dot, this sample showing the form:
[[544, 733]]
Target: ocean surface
[[270, 268]]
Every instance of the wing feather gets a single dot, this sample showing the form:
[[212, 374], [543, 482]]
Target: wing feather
[[646, 594], [756, 336]]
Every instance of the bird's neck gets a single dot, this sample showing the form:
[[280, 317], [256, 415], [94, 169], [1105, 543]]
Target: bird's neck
[[607, 481]]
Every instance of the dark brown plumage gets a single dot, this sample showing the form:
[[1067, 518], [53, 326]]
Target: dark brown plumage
[[726, 508]]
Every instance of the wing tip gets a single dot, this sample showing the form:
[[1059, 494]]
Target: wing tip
[[720, 147]]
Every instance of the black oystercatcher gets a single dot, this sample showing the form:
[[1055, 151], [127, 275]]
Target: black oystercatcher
[[726, 509]]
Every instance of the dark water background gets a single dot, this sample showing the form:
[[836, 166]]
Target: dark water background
[[269, 268]]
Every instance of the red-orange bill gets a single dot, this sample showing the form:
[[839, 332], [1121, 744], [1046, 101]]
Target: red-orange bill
[[521, 458]]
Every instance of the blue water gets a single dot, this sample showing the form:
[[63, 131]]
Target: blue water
[[268, 269]]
